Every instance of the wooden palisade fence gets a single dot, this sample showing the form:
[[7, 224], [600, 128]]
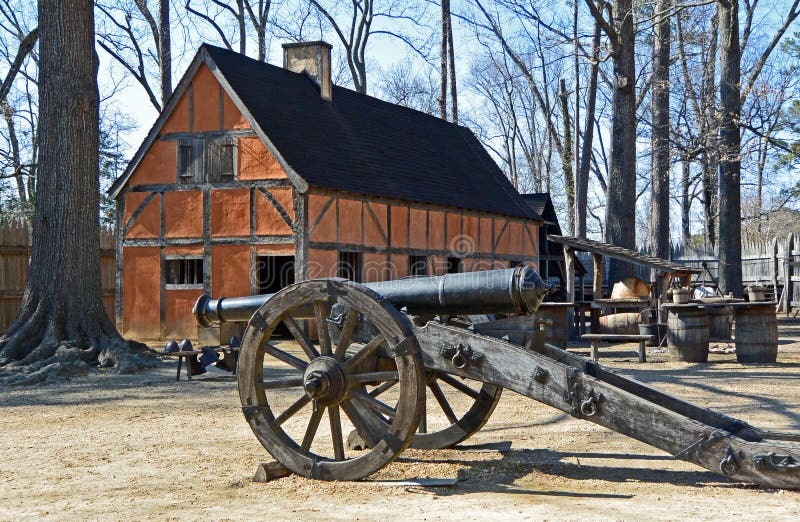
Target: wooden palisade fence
[[15, 247], [774, 263]]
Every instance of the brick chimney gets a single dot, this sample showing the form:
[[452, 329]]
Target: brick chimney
[[314, 59]]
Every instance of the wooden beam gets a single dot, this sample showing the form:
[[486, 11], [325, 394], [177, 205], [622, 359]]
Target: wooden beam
[[597, 282], [569, 261]]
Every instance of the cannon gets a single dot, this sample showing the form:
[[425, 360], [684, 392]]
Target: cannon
[[384, 369]]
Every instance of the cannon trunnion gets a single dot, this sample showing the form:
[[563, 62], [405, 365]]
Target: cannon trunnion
[[378, 374]]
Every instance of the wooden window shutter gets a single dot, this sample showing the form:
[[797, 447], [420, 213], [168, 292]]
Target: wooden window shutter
[[198, 167], [220, 159], [185, 162]]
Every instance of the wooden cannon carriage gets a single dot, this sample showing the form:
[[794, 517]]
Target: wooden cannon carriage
[[404, 378]]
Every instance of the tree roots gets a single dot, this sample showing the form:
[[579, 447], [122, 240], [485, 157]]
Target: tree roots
[[29, 356]]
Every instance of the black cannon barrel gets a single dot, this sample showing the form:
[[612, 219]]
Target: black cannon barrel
[[510, 291]]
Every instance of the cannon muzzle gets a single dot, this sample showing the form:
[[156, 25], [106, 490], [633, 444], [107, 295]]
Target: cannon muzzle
[[510, 291]]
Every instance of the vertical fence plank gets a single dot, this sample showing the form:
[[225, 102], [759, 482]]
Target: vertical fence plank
[[15, 252]]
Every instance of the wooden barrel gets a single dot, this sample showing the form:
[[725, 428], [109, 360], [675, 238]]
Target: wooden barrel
[[623, 324], [720, 320], [687, 335], [756, 334]]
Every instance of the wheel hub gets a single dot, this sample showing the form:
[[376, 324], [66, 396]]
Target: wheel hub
[[325, 381]]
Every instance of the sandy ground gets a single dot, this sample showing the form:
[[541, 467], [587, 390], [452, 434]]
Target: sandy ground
[[146, 447]]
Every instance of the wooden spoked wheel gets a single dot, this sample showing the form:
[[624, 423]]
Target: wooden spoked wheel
[[455, 408], [442, 424], [286, 388]]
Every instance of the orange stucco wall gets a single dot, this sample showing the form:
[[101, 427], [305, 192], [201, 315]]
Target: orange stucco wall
[[375, 268], [183, 213], [197, 110], [179, 321], [230, 270], [395, 228], [141, 284], [321, 263], [375, 230], [269, 222], [321, 219], [230, 212], [206, 100], [148, 222]]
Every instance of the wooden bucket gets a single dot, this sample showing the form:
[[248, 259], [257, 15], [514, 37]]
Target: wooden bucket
[[623, 324], [687, 335], [756, 335], [720, 320]]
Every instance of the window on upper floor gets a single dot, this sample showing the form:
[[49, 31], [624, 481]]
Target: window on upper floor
[[206, 159], [220, 159]]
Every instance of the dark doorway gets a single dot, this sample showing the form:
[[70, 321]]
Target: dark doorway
[[417, 265], [453, 265], [274, 273]]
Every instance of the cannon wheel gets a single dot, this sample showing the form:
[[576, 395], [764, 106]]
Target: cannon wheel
[[330, 379], [438, 404], [442, 387]]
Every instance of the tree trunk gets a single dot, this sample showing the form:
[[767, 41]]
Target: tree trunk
[[686, 202], [569, 182], [708, 134], [582, 176], [730, 211], [164, 52], [62, 327], [451, 58], [621, 193], [242, 29], [443, 65], [659, 207]]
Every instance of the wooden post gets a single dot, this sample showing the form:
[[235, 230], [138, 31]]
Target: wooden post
[[597, 287], [787, 270], [569, 262], [774, 268]]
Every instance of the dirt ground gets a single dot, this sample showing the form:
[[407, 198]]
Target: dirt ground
[[146, 447]]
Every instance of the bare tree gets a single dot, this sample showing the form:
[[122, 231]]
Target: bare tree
[[582, 176], [733, 92], [401, 85], [539, 91], [19, 153], [447, 66], [621, 193], [130, 33], [660, 139], [62, 326], [355, 25], [232, 17]]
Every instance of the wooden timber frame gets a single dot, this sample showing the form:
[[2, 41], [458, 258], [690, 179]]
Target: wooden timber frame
[[267, 209], [666, 271]]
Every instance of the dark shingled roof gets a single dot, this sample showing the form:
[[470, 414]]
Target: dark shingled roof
[[360, 144], [542, 204]]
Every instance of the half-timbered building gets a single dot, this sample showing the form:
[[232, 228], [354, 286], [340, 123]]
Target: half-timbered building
[[254, 176]]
